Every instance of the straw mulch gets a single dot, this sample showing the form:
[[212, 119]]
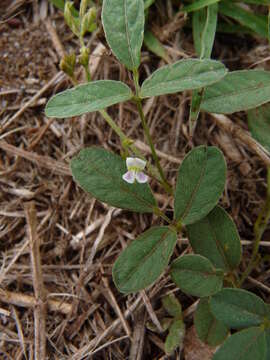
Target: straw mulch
[[57, 244]]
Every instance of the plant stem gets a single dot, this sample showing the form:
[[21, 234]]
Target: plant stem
[[87, 73], [259, 228], [146, 129], [161, 214], [129, 143], [113, 125]]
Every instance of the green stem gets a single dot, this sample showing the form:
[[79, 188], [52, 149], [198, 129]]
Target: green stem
[[129, 143], [259, 228], [87, 73], [159, 213], [146, 129]]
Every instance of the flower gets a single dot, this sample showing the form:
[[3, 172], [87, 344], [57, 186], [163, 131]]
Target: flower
[[135, 168]]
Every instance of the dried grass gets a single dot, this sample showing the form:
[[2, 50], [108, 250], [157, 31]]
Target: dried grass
[[65, 304]]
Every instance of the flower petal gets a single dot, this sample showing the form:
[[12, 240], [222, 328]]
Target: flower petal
[[135, 163], [141, 177], [129, 177], [129, 162], [139, 163]]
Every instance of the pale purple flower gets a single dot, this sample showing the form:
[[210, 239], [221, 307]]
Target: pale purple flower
[[135, 168]]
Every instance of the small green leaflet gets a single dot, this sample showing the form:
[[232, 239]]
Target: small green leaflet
[[172, 306], [248, 344], [237, 308], [195, 275], [216, 237], [208, 328], [237, 91], [194, 110], [200, 183], [99, 172], [183, 75], [144, 260], [123, 23], [259, 125], [60, 4], [204, 23], [175, 337], [176, 333], [89, 97]]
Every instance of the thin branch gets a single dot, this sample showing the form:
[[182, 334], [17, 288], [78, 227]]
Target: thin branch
[[28, 301], [40, 295], [151, 312]]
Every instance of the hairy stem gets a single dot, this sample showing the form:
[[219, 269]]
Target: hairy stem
[[146, 129]]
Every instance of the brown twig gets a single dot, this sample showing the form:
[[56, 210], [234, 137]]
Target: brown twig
[[40, 295], [55, 39], [116, 307], [13, 261], [86, 350], [151, 312], [143, 147], [236, 131], [28, 301], [58, 77], [44, 161], [19, 329], [136, 350]]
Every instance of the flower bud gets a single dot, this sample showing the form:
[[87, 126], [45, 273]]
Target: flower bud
[[83, 7], [70, 19], [67, 64], [88, 23], [84, 57]]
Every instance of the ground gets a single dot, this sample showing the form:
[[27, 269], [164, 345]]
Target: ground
[[83, 315]]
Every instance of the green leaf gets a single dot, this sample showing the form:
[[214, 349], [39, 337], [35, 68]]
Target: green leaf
[[195, 275], [88, 97], [238, 308], [267, 337], [256, 2], [248, 344], [183, 75], [239, 90], [172, 306], [257, 23], [209, 329], [194, 111], [200, 183], [144, 260], [204, 23], [198, 4], [154, 45], [175, 337], [123, 23], [259, 124], [99, 172], [216, 237]]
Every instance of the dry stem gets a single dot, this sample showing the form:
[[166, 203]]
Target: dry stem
[[40, 308]]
